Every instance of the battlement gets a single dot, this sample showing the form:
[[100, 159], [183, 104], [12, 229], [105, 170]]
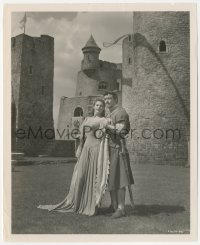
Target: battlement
[[46, 36], [109, 65], [34, 42], [25, 35]]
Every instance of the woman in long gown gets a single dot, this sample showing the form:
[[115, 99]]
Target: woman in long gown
[[89, 179]]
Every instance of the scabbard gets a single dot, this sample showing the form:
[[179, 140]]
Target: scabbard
[[126, 158], [131, 196]]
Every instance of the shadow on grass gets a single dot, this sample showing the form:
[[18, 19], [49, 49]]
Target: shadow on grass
[[148, 210]]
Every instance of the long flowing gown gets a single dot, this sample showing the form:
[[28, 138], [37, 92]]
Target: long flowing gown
[[90, 176]]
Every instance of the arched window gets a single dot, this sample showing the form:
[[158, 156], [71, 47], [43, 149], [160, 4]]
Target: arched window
[[78, 112], [162, 46], [103, 85]]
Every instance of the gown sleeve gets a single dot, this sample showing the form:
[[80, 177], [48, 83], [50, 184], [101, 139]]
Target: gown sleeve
[[81, 139]]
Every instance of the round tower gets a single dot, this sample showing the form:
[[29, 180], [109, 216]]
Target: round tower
[[156, 86], [91, 55]]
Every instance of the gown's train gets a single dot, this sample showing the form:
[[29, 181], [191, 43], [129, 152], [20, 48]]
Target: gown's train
[[90, 176]]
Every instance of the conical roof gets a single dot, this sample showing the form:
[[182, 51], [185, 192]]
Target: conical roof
[[91, 44]]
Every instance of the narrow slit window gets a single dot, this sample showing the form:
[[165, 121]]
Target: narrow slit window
[[129, 38], [88, 58], [43, 90], [13, 43], [118, 85], [30, 70], [129, 61]]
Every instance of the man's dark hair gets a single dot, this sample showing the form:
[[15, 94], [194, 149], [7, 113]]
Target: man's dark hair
[[114, 95]]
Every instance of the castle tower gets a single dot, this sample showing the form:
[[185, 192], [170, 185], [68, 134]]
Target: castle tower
[[32, 72], [156, 86], [91, 55], [96, 75]]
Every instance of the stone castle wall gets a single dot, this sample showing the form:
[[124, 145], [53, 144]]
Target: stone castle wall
[[88, 81], [90, 61], [156, 87], [32, 87], [67, 118]]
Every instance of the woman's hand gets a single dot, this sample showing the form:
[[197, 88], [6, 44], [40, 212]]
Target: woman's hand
[[108, 122]]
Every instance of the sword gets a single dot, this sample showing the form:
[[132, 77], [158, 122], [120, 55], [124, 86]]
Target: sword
[[126, 158], [131, 196]]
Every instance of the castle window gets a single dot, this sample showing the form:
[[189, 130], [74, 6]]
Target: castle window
[[118, 85], [129, 61], [129, 38], [13, 42], [162, 46], [30, 70], [43, 90], [88, 58], [78, 112], [102, 85], [80, 93]]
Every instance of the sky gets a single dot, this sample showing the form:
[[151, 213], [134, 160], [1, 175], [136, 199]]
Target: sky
[[71, 31]]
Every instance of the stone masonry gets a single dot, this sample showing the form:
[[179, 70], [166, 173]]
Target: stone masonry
[[96, 76], [153, 84], [32, 91], [156, 87]]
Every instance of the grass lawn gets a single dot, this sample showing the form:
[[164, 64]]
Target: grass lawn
[[161, 195]]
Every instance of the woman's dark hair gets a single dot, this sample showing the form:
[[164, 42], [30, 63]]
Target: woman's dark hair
[[104, 105], [114, 95]]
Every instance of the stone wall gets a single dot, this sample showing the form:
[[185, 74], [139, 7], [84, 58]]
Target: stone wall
[[156, 87], [91, 60], [32, 85], [88, 80], [66, 116]]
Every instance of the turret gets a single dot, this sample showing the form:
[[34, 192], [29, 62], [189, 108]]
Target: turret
[[91, 55]]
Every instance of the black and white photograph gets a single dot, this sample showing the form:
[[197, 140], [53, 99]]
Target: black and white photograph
[[100, 121]]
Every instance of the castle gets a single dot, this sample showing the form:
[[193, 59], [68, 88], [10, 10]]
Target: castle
[[156, 87], [32, 75], [152, 82], [96, 76]]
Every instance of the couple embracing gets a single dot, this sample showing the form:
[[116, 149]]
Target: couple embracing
[[103, 162]]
